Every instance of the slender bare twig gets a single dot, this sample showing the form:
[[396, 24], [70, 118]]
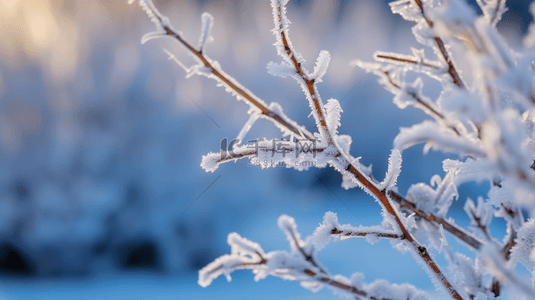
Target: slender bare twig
[[452, 228], [509, 245], [407, 59]]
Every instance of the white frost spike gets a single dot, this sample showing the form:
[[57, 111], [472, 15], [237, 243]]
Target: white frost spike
[[207, 23], [419, 54], [322, 64], [242, 246], [407, 9], [436, 137], [394, 168], [282, 70], [289, 227], [154, 15], [492, 10], [153, 35], [252, 119], [177, 61], [333, 111], [210, 161], [322, 235], [243, 251]]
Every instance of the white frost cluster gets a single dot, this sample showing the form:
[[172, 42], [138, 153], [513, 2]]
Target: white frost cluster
[[484, 117], [206, 29], [324, 233], [301, 264]]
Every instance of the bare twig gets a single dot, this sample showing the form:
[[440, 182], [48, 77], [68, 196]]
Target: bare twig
[[496, 11], [406, 59]]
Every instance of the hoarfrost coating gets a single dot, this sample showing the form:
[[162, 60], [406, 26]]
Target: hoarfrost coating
[[483, 114]]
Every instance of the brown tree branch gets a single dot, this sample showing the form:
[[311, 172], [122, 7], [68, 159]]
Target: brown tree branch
[[496, 10], [440, 44], [454, 229], [423, 104], [308, 257], [246, 94], [365, 182], [481, 227], [310, 83], [407, 59], [324, 278]]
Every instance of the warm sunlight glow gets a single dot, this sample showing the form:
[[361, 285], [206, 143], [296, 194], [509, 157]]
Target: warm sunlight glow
[[9, 7], [41, 25]]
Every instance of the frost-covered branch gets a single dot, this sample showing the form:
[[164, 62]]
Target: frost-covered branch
[[330, 228], [343, 164], [487, 118], [300, 264], [492, 10], [307, 80], [414, 10], [408, 94], [211, 69], [299, 154], [452, 228]]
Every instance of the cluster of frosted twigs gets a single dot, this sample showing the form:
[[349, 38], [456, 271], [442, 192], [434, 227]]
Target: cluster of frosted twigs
[[485, 114]]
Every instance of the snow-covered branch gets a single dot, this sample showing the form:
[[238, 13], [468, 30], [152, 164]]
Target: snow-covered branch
[[301, 265], [211, 69], [486, 117]]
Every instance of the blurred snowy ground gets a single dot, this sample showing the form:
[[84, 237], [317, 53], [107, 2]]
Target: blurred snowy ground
[[101, 193]]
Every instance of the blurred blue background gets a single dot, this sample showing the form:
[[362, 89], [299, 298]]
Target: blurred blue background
[[101, 138]]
